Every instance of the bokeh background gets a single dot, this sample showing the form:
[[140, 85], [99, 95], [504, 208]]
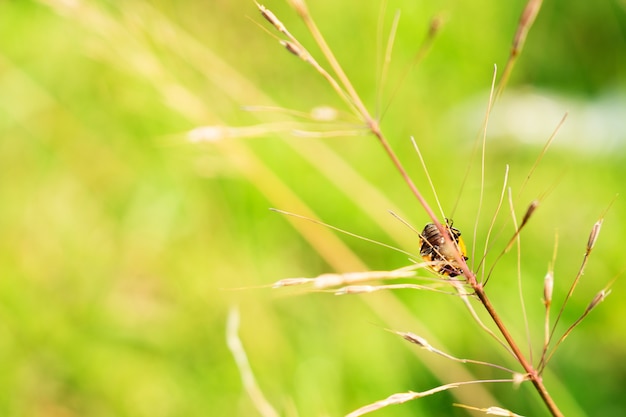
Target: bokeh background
[[123, 246]]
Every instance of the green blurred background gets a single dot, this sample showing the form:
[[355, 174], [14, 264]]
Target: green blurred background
[[123, 246]]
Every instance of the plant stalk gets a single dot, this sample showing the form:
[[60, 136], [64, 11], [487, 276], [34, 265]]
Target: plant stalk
[[533, 375], [528, 17]]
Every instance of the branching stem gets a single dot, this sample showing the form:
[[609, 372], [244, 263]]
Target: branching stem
[[372, 124], [533, 375]]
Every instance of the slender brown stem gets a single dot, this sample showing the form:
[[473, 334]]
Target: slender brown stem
[[525, 23], [372, 123], [533, 375]]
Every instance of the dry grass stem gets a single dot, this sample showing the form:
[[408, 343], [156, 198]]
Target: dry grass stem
[[491, 226], [423, 343], [361, 289], [483, 148], [525, 23], [295, 47], [398, 398], [520, 288], [433, 30], [243, 365], [387, 59], [544, 150], [210, 134], [345, 232], [347, 281], [466, 301], [428, 177], [494, 411], [317, 114], [593, 236], [403, 397], [533, 205], [350, 94], [334, 280], [354, 99], [529, 212], [599, 297], [329, 134]]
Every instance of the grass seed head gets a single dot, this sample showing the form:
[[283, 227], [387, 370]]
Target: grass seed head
[[593, 236], [293, 48], [601, 296], [415, 339], [548, 287], [271, 17], [529, 212]]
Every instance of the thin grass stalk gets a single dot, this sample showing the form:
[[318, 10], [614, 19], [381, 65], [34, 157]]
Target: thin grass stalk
[[421, 342], [548, 289], [520, 288], [387, 60], [241, 359], [371, 123], [531, 10], [470, 308], [532, 374], [599, 297], [400, 398], [492, 224], [593, 236], [433, 29], [482, 156], [544, 150]]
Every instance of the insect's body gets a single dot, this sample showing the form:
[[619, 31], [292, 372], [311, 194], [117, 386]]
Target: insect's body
[[441, 253]]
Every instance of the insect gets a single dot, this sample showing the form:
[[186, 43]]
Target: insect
[[442, 254]]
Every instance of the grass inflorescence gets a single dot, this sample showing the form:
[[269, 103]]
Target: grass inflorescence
[[443, 249]]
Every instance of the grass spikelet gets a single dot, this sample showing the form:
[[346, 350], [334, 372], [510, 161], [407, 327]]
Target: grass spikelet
[[274, 21], [493, 411], [328, 280], [398, 398], [423, 343]]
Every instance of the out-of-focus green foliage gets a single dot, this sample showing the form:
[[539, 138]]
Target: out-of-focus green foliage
[[123, 246]]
